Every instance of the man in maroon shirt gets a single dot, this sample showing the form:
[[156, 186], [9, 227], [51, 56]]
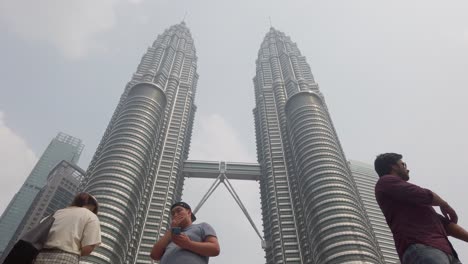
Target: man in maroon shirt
[[419, 232]]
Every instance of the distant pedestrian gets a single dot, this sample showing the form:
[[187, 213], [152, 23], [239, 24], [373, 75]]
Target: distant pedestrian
[[419, 232], [186, 242]]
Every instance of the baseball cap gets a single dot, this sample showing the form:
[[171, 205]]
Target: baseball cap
[[186, 206]]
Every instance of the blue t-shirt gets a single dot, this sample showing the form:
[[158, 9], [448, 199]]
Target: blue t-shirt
[[176, 255]]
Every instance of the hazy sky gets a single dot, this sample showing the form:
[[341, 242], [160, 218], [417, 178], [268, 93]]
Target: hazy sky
[[394, 75]]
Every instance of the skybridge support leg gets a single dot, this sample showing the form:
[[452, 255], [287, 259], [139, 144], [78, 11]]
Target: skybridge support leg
[[222, 178], [208, 193]]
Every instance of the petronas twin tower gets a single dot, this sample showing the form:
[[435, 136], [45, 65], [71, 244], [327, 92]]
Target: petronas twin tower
[[311, 209]]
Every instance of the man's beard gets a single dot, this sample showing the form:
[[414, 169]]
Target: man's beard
[[404, 175]]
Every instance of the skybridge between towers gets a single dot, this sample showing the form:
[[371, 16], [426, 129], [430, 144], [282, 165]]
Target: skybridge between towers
[[222, 172]]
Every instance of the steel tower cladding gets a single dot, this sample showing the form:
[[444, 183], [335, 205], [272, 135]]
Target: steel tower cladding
[[365, 178], [311, 209], [136, 172]]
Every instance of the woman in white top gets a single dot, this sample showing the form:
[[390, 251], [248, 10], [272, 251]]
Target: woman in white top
[[76, 232]]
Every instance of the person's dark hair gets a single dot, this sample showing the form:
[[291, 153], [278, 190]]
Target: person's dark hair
[[83, 199], [384, 162]]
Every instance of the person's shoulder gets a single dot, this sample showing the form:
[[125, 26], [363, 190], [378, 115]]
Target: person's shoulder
[[85, 212], [61, 211], [206, 229], [203, 225], [385, 181], [67, 211], [91, 215]]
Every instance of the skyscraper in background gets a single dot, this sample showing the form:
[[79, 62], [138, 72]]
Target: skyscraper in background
[[61, 188], [312, 212], [62, 184], [62, 147], [365, 177], [136, 172], [311, 209]]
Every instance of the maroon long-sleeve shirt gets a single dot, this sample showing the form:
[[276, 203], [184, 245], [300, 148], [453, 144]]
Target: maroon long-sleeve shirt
[[409, 214]]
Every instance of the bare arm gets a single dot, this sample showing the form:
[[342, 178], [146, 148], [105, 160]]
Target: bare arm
[[457, 231], [445, 208], [86, 250], [160, 246], [207, 248]]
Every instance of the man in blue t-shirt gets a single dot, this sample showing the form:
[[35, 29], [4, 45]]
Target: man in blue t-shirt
[[186, 242]]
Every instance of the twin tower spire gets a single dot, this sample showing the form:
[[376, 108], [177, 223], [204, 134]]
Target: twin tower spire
[[311, 209]]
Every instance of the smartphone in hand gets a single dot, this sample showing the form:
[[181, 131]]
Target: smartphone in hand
[[175, 230]]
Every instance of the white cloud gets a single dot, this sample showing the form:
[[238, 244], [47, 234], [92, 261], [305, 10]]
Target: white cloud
[[69, 26], [16, 162]]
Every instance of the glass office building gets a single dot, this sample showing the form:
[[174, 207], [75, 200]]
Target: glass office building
[[365, 177], [62, 147]]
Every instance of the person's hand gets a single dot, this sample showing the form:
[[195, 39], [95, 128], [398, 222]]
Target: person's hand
[[176, 221], [181, 240], [449, 213]]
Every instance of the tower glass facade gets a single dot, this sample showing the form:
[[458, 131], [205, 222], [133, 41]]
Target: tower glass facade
[[312, 212], [311, 209], [136, 172], [62, 147], [366, 178], [61, 188], [62, 185]]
